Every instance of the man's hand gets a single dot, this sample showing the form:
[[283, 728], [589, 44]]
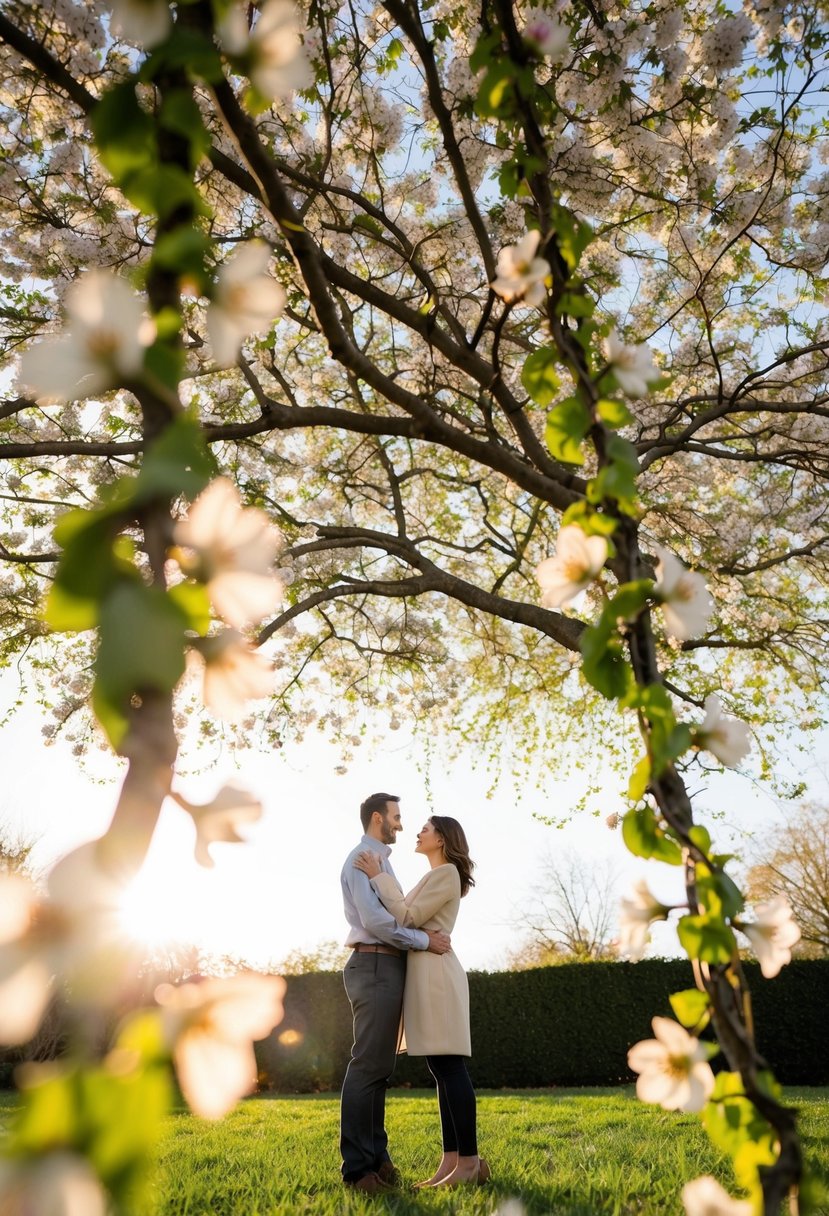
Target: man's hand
[[439, 943]]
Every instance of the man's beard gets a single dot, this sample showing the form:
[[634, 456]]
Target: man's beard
[[389, 834]]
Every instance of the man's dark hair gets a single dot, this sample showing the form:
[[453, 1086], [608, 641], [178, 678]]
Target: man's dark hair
[[375, 802]]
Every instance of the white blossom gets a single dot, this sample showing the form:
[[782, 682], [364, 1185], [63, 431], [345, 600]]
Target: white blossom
[[521, 274], [705, 1197], [772, 935], [686, 604], [577, 561], [55, 1184], [278, 62], [74, 933], [103, 345], [142, 22], [211, 1027], [246, 301], [673, 1068], [633, 366], [234, 673], [636, 914], [235, 549], [217, 821], [545, 34], [728, 739]]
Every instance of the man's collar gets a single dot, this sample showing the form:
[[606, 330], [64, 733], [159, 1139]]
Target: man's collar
[[376, 846]]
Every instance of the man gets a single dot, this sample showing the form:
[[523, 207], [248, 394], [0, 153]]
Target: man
[[374, 977]]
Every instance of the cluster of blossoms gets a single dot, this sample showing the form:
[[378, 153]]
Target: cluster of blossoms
[[231, 549]]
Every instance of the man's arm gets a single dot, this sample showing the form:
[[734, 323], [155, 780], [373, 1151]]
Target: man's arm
[[380, 923]]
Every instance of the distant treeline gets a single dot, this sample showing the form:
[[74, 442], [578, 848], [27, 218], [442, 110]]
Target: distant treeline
[[564, 1025]]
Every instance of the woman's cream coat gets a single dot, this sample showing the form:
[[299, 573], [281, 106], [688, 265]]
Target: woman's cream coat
[[436, 997]]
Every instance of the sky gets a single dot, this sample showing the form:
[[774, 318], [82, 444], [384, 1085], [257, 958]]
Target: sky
[[280, 891]]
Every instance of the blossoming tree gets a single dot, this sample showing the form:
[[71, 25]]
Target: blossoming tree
[[487, 308]]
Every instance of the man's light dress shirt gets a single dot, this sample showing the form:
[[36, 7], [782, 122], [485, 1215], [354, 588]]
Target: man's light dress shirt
[[368, 920]]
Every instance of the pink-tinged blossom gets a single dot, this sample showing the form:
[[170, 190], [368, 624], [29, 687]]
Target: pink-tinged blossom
[[577, 561], [234, 674], [235, 549], [277, 62], [217, 821], [772, 935], [613, 821], [247, 301], [728, 739], [705, 1197], [686, 603], [636, 913], [73, 933], [211, 1027], [103, 345], [673, 1068], [545, 34], [633, 366], [144, 23], [55, 1184], [521, 274]]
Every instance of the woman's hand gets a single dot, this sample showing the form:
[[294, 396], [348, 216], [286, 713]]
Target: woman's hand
[[368, 862]]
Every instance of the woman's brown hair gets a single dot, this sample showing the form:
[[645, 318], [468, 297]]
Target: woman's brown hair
[[455, 848]]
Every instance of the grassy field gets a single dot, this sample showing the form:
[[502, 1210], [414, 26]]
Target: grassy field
[[561, 1152]]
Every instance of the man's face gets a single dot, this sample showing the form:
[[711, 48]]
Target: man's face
[[391, 823]]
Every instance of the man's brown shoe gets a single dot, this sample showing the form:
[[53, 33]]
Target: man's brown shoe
[[369, 1184], [389, 1174]]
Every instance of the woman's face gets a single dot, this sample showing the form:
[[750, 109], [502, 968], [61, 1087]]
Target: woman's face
[[429, 840]]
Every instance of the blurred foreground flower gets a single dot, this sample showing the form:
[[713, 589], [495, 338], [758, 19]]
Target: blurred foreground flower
[[57, 1184], [74, 934], [636, 913], [247, 301], [673, 1068], [216, 822], [633, 366], [521, 274], [577, 561], [686, 604], [545, 34], [235, 548], [728, 739], [234, 674], [772, 935], [142, 22], [211, 1027], [277, 62], [103, 347], [705, 1197]]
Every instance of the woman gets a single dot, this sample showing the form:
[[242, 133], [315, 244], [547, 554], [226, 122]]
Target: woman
[[436, 997]]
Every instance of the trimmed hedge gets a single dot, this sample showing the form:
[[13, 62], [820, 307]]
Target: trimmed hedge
[[565, 1025]]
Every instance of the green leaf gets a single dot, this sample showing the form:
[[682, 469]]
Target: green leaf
[[718, 893], [574, 235], [482, 56], [184, 48], [691, 1008], [184, 250], [639, 779], [194, 602], [539, 375], [706, 937], [165, 361], [180, 114], [605, 666], [141, 649], [591, 522], [617, 480], [161, 189], [629, 600], [177, 462], [566, 427], [124, 133], [496, 90], [614, 413], [645, 838], [737, 1128], [87, 569]]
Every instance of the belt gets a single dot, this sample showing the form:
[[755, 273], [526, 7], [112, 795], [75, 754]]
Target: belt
[[365, 948]]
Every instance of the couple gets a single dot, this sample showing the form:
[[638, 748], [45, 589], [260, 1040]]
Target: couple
[[403, 961]]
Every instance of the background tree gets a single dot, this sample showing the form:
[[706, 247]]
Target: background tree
[[570, 914], [793, 862]]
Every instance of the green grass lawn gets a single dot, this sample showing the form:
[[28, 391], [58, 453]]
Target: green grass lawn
[[562, 1152]]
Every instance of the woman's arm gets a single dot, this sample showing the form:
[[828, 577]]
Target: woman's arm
[[440, 887]]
